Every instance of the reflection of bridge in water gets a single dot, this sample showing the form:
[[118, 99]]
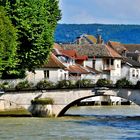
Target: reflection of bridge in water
[[65, 98]]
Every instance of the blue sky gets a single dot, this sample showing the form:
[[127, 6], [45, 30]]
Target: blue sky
[[100, 11]]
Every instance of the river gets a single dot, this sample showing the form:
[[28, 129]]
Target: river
[[80, 123]]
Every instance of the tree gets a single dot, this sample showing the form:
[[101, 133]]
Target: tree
[[8, 43], [35, 21]]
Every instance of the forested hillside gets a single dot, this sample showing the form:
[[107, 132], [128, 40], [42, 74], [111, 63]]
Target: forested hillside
[[129, 34]]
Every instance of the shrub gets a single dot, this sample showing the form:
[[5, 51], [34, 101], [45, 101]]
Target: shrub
[[64, 84], [123, 83], [44, 84], [103, 82], [4, 85], [23, 85], [84, 83], [43, 101]]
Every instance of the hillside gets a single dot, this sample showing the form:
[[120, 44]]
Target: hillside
[[127, 34]]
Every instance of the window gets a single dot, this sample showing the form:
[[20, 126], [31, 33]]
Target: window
[[107, 61], [93, 63], [112, 61], [65, 75], [133, 73], [137, 73], [46, 73]]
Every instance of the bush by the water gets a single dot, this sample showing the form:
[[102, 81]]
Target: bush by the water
[[44, 85], [64, 84], [84, 83], [43, 101], [123, 83], [4, 86], [103, 82], [23, 85]]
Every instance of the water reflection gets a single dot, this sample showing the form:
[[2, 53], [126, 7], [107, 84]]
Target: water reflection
[[80, 123]]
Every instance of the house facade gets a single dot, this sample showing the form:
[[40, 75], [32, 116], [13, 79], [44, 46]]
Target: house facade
[[130, 70], [102, 58], [53, 70]]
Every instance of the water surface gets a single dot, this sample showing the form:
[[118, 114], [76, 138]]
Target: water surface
[[80, 123]]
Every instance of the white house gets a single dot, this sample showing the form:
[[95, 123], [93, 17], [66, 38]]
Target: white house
[[101, 57], [53, 70], [130, 70]]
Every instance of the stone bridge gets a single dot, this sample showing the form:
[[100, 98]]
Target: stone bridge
[[63, 99]]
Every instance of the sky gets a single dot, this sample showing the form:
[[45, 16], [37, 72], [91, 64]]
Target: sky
[[100, 11]]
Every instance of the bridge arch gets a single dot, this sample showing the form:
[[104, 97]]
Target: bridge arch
[[63, 111], [128, 94]]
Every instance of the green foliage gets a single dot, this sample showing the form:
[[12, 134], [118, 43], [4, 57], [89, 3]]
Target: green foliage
[[103, 82], [64, 84], [35, 21], [44, 85], [84, 83], [4, 85], [23, 85], [123, 83], [43, 101], [8, 43]]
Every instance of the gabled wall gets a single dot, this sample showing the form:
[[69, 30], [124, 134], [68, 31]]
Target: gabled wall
[[54, 75]]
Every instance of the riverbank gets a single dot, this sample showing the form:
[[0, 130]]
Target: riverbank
[[15, 113]]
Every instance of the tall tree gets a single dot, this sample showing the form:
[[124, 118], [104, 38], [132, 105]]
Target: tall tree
[[35, 21], [8, 43]]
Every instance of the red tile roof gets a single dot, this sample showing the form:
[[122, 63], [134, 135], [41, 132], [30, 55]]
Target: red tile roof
[[112, 52], [54, 62], [77, 69], [117, 46], [84, 57], [71, 53]]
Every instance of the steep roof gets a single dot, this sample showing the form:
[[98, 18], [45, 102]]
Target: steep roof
[[117, 46], [91, 38], [54, 62], [90, 50]]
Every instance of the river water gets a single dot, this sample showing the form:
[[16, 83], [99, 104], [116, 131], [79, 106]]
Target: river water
[[81, 123]]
